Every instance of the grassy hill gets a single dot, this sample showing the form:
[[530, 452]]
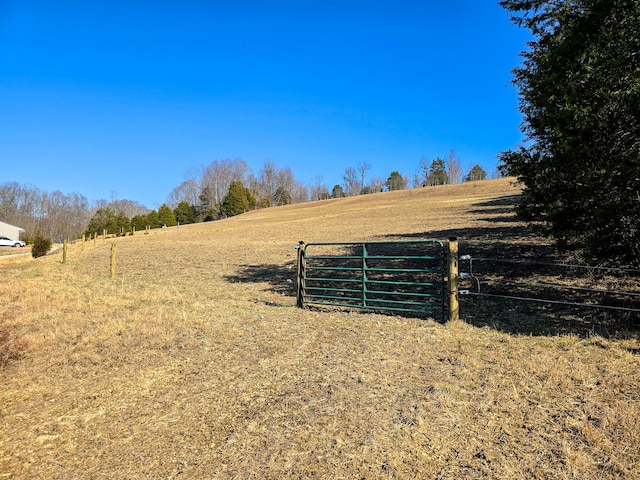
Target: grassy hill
[[195, 363]]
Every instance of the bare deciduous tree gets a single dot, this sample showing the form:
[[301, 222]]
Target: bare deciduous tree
[[376, 184], [318, 190], [219, 175], [276, 186], [363, 168], [56, 215], [454, 169], [351, 184], [187, 191]]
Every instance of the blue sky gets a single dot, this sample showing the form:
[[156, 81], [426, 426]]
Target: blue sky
[[123, 98]]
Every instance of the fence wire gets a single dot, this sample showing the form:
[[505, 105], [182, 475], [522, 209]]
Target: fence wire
[[483, 285], [550, 302]]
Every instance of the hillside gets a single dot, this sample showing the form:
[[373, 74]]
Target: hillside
[[195, 363]]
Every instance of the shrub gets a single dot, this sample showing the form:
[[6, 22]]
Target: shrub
[[40, 246]]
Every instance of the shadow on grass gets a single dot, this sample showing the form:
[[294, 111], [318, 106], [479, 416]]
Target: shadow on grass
[[515, 260], [280, 278], [509, 259]]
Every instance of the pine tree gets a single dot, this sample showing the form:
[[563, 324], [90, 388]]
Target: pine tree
[[185, 213], [337, 192], [207, 209], [437, 173], [395, 181], [238, 200], [580, 98], [153, 221], [166, 217], [107, 219], [476, 173]]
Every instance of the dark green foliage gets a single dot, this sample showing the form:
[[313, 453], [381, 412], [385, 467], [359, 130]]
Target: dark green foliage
[[207, 210], [123, 223], [40, 245], [238, 200], [153, 220], [437, 173], [337, 192], [166, 217], [139, 222], [580, 97], [185, 213], [476, 173], [107, 219], [395, 181]]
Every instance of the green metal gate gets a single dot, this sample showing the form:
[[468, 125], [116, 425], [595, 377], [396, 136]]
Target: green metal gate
[[401, 276]]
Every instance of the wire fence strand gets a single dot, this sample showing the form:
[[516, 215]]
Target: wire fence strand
[[549, 264], [553, 302], [558, 287]]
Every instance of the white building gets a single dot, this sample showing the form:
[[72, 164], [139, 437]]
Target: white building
[[10, 231]]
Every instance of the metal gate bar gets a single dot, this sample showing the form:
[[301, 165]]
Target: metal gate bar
[[400, 276]]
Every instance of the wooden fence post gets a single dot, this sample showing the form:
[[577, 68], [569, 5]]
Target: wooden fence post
[[454, 309], [300, 276], [64, 251], [113, 260]]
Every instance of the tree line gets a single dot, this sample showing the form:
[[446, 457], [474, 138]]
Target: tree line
[[221, 189], [209, 194], [55, 214]]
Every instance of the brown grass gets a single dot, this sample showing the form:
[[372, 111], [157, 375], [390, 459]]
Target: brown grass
[[195, 363]]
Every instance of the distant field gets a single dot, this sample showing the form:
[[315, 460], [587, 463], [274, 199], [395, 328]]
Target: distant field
[[195, 363]]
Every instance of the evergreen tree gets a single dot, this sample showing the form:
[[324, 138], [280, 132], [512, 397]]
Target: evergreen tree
[[166, 216], [337, 192], [153, 221], [238, 200], [140, 222], [395, 181], [123, 223], [107, 219], [207, 210], [437, 173], [185, 213], [580, 97], [476, 173]]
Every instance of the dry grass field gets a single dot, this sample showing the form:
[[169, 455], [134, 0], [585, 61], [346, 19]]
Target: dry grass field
[[194, 362]]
